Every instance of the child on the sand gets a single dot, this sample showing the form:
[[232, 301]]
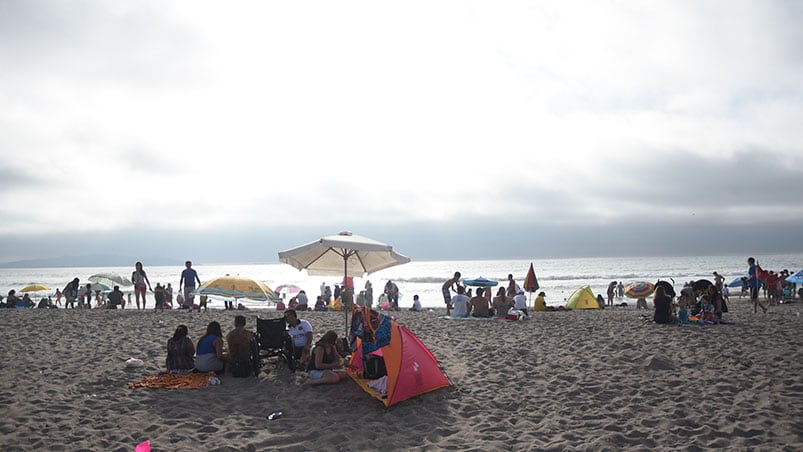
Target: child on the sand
[[683, 310]]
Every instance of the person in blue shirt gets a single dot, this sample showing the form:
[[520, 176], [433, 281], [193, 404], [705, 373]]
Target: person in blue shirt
[[209, 352], [188, 278], [755, 285]]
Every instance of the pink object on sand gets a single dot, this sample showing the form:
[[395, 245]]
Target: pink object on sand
[[143, 447]]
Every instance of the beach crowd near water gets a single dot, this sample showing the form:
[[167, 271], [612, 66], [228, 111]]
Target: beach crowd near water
[[534, 376]]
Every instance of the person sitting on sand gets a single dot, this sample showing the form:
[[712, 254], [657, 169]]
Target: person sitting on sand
[[115, 298], [502, 303], [710, 306], [301, 332], [663, 306], [12, 299], [460, 303], [716, 300], [540, 302], [239, 345], [600, 301], [683, 310], [180, 352], [325, 359], [416, 304], [641, 303], [209, 356], [520, 302], [479, 306]]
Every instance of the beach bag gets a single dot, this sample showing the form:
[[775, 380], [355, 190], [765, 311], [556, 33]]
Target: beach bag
[[373, 367]]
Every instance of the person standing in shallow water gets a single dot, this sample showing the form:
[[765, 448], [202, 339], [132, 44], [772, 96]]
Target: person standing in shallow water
[[141, 283]]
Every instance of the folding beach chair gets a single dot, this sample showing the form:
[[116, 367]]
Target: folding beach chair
[[273, 340]]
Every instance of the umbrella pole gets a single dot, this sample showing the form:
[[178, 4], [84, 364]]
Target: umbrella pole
[[345, 283]]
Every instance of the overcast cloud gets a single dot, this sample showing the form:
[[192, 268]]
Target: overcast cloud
[[228, 132]]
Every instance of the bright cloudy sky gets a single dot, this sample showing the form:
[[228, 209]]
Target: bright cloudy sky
[[230, 131]]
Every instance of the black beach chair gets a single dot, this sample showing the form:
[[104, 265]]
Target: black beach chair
[[272, 340]]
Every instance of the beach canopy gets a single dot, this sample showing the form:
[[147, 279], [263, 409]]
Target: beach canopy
[[411, 368], [582, 298], [797, 278], [737, 282], [480, 282], [236, 287]]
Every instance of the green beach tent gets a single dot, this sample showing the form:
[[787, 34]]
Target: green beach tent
[[582, 298]]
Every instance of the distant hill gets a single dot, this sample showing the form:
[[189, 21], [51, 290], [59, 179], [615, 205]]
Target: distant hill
[[91, 260]]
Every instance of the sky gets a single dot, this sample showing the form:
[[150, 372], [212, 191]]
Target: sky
[[451, 129]]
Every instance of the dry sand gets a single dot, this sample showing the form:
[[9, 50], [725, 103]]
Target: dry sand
[[596, 380]]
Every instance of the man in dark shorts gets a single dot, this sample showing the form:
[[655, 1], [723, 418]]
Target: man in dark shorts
[[449, 285], [188, 278]]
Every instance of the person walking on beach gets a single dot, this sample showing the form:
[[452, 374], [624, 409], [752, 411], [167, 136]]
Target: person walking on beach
[[141, 283], [620, 290], [450, 284], [188, 278], [754, 285], [71, 293]]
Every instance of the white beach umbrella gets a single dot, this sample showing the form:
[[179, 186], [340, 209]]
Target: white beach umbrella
[[110, 279], [343, 254]]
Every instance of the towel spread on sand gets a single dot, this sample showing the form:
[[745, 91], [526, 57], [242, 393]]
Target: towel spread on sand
[[499, 319], [174, 381]]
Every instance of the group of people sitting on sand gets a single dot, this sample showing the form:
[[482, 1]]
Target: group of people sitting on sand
[[481, 304], [696, 304], [236, 354]]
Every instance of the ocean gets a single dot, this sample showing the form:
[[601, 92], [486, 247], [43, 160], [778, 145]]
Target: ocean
[[558, 278]]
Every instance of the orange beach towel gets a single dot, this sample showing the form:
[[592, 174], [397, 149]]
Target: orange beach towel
[[174, 381]]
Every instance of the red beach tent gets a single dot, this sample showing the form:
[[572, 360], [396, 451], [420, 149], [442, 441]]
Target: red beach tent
[[411, 368]]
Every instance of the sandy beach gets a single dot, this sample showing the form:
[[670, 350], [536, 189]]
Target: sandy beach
[[587, 380]]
